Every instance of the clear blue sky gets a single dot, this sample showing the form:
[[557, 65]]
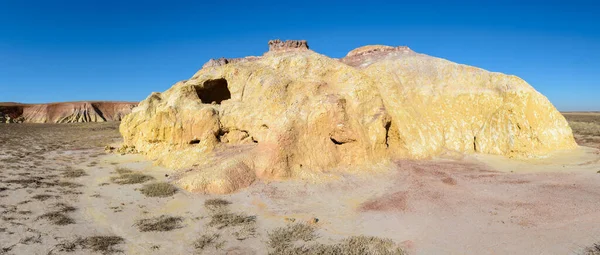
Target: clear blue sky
[[123, 50]]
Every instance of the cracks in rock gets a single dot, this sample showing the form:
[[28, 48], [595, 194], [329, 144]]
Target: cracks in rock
[[475, 143]]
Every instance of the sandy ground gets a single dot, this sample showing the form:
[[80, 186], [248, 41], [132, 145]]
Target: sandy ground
[[474, 204]]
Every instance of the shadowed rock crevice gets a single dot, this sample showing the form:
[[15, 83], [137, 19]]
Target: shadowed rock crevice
[[213, 91], [336, 142], [387, 133]]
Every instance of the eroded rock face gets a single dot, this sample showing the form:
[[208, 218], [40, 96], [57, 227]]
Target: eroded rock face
[[278, 45], [67, 112], [292, 112]]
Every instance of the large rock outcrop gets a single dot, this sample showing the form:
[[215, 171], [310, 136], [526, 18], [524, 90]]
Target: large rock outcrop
[[67, 112], [293, 111]]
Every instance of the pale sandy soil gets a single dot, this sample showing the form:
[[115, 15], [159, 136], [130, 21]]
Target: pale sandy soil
[[460, 205]]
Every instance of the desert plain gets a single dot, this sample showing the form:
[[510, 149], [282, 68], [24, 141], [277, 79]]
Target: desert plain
[[62, 193]]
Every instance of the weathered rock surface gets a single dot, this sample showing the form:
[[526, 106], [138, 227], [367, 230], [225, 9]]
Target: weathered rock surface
[[293, 111], [67, 112], [278, 45]]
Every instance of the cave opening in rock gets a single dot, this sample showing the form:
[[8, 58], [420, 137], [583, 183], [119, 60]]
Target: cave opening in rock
[[215, 90]]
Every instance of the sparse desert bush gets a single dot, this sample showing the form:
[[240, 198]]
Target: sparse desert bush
[[357, 245], [292, 233], [102, 244], [227, 219], [216, 204], [122, 170], [592, 250], [64, 208], [29, 182], [57, 218], [127, 176], [287, 241], [205, 241], [161, 223], [159, 189], [42, 197], [73, 173], [70, 185]]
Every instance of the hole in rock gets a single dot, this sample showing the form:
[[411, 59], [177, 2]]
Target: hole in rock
[[195, 141], [213, 91]]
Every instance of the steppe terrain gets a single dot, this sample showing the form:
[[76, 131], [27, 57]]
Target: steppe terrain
[[61, 193]]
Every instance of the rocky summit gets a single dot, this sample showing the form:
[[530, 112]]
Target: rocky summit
[[65, 112], [293, 111]]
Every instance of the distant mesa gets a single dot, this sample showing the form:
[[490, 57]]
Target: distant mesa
[[65, 112], [292, 112]]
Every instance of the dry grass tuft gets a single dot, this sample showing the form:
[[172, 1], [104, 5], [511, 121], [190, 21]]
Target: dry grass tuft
[[102, 244], [159, 189], [227, 219], [292, 233], [36, 182], [126, 176], [73, 173], [42, 197], [216, 204], [70, 185], [592, 250], [205, 241], [365, 245], [161, 223], [64, 208], [288, 240], [121, 170], [57, 218]]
